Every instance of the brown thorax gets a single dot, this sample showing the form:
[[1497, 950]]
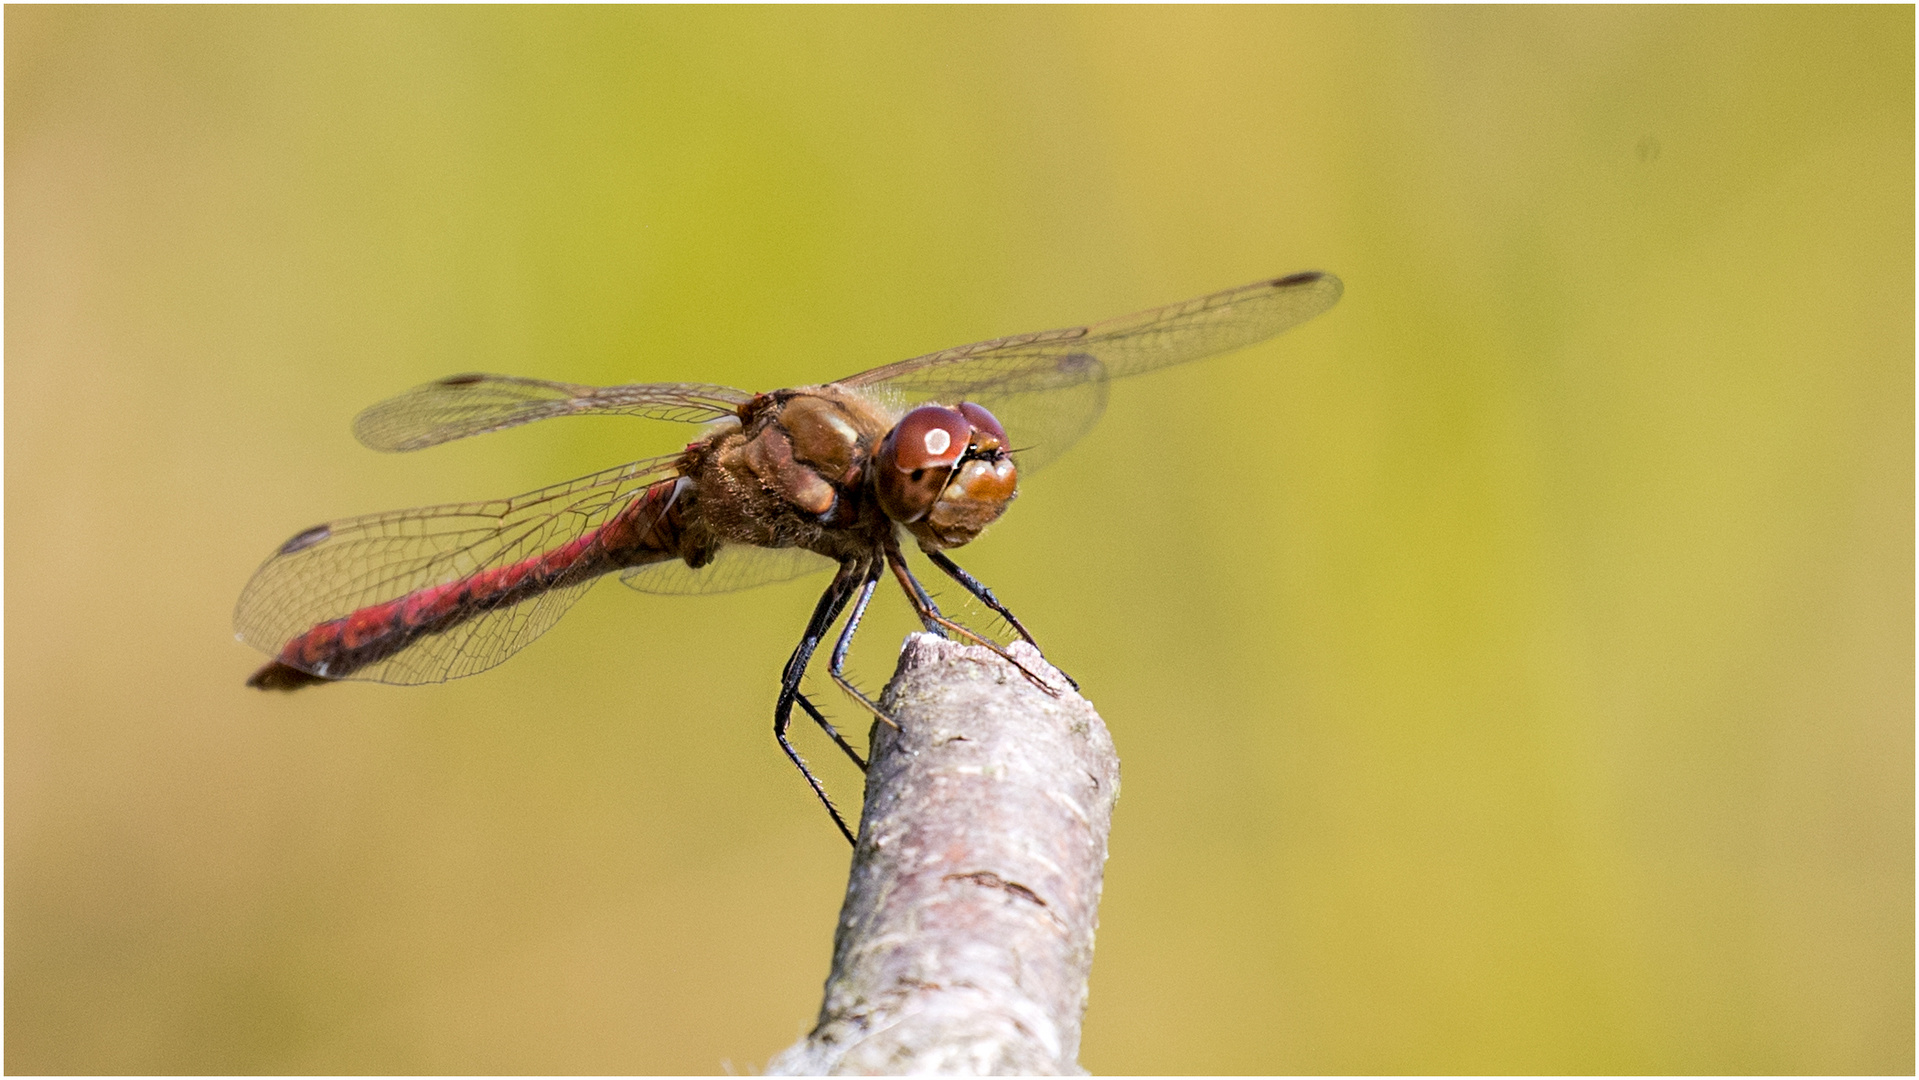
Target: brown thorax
[[830, 470]]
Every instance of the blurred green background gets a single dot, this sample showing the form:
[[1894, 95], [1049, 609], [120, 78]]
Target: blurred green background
[[1513, 668]]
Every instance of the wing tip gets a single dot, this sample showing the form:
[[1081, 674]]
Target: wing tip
[[1306, 277], [1319, 282], [306, 538]]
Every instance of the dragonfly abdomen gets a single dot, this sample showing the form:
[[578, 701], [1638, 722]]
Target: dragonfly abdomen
[[648, 530]]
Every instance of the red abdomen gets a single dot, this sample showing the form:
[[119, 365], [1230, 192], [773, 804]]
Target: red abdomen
[[647, 530]]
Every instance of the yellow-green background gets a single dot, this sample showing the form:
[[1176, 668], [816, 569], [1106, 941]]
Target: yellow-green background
[[1513, 668]]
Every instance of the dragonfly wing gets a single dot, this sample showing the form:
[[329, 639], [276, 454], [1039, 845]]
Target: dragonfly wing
[[735, 567], [1044, 424], [415, 563], [1048, 379], [462, 405]]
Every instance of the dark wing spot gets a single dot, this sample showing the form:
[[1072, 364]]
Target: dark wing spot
[[1075, 362], [461, 380], [1299, 279], [306, 539]]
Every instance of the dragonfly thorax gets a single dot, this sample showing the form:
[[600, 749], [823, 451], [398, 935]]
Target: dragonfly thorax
[[830, 470]]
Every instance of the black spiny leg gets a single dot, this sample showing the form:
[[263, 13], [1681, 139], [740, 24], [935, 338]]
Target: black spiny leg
[[806, 704], [985, 596], [916, 594], [838, 667], [839, 660], [832, 602]]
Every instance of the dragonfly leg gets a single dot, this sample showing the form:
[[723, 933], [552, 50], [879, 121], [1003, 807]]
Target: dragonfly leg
[[838, 667], [806, 705], [985, 596], [832, 602], [923, 604], [916, 594]]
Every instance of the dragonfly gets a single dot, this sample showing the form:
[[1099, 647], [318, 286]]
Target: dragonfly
[[843, 476]]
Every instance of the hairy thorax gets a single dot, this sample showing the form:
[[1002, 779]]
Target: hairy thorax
[[792, 472]]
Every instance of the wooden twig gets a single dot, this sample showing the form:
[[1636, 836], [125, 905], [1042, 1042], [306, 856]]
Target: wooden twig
[[966, 937]]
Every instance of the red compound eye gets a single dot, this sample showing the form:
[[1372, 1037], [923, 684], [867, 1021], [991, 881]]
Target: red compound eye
[[987, 433], [916, 457], [929, 437]]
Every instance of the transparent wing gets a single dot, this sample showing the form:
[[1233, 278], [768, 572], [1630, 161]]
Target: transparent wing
[[332, 571], [1049, 388], [736, 567], [462, 405]]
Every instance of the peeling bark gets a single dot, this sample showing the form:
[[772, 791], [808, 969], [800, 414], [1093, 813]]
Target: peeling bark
[[966, 937]]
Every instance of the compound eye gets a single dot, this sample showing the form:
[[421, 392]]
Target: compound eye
[[929, 437], [987, 432], [916, 458]]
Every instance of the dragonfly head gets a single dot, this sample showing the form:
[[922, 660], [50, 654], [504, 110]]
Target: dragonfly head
[[945, 473]]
